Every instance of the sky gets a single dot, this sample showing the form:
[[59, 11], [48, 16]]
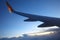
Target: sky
[[13, 25]]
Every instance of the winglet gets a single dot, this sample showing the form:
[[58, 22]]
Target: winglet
[[9, 7]]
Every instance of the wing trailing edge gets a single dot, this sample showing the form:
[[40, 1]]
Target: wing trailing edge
[[29, 20], [45, 25]]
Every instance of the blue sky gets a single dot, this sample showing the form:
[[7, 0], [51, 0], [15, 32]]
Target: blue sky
[[12, 24]]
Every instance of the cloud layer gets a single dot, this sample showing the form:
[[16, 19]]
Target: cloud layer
[[54, 36]]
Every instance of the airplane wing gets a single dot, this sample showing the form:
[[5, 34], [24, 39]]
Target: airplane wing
[[32, 17]]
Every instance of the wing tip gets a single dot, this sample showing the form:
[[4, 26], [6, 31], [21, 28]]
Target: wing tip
[[9, 7]]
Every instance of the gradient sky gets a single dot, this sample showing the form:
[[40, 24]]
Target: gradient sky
[[13, 25]]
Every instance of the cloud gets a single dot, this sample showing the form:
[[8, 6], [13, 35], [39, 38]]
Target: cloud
[[55, 29], [55, 36]]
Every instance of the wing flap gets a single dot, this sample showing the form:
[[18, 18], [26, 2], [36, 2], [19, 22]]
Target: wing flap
[[45, 25], [30, 20]]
